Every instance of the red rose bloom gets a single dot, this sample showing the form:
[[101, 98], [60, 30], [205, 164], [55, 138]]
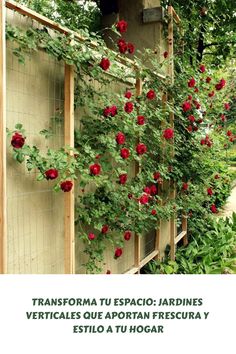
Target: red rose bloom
[[127, 235], [124, 153], [122, 45], [130, 195], [199, 121], [165, 54], [202, 68], [229, 133], [122, 26], [153, 189], [195, 128], [186, 106], [144, 199], [190, 97], [147, 190], [185, 186], [105, 63], [156, 175], [120, 138], [141, 149], [211, 94], [129, 106], [105, 229], [91, 236], [190, 129], [118, 252], [110, 111], [153, 212], [223, 117], [168, 133], [208, 79], [220, 85], [191, 82], [203, 142], [17, 141], [214, 209], [140, 120], [196, 104], [130, 48], [52, 173], [66, 186], [95, 169], [191, 118], [196, 90], [108, 272], [151, 94], [217, 176], [209, 191], [227, 106], [123, 178], [128, 94]]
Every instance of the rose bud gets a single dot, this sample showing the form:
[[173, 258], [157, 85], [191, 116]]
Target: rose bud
[[66, 186], [51, 173], [17, 141]]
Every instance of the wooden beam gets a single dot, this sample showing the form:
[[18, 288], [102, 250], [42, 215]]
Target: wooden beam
[[3, 226], [69, 196], [179, 237], [176, 17], [171, 43], [185, 228]]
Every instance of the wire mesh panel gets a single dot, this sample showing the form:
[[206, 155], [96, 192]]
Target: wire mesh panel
[[34, 212]]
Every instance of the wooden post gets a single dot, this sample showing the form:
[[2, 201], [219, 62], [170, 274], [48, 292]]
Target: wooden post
[[3, 226], [185, 228], [137, 245], [69, 196]]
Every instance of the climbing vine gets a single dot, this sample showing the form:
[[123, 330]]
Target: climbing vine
[[121, 133]]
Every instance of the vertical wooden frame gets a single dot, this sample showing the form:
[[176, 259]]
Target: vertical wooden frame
[[3, 225], [69, 196]]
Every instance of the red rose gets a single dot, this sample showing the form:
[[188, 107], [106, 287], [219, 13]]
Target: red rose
[[123, 178], [140, 120], [127, 235], [190, 97], [196, 104], [129, 106], [195, 128], [199, 121], [122, 45], [130, 195], [217, 176], [227, 106], [153, 189], [220, 85], [105, 63], [191, 118], [118, 252], [209, 191], [211, 94], [130, 48], [168, 133], [185, 186], [124, 153], [122, 26], [141, 149], [95, 169], [202, 68], [128, 94], [156, 175], [223, 82], [110, 111], [108, 272], [191, 82], [203, 142], [153, 212], [147, 190], [151, 94], [190, 129], [17, 141], [223, 117], [91, 236], [105, 229], [120, 138], [144, 199], [165, 54], [186, 106], [66, 186], [208, 79], [51, 173], [196, 90], [214, 209], [229, 133]]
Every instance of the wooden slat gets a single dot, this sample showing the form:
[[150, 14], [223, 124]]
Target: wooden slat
[[3, 226], [69, 196], [133, 270], [179, 237], [148, 258], [176, 16], [137, 242]]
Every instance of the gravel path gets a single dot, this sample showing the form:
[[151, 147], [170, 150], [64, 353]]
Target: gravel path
[[230, 206]]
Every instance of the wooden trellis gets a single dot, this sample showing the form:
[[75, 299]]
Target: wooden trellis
[[69, 233]]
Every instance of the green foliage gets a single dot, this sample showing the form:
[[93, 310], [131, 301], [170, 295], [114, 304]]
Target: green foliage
[[211, 251]]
